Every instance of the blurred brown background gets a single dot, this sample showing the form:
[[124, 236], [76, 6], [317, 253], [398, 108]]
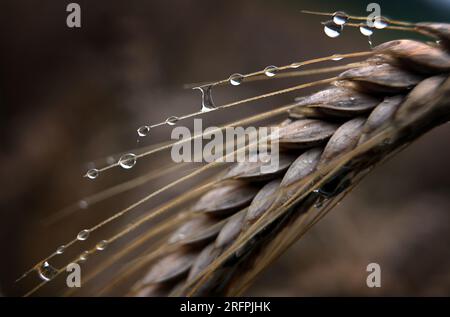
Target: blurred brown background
[[71, 97]]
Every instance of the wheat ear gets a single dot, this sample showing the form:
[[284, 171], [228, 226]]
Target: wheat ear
[[330, 141]]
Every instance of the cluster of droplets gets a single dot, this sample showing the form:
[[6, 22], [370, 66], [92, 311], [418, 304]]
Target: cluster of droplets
[[47, 272], [126, 161], [207, 105], [332, 28], [335, 26]]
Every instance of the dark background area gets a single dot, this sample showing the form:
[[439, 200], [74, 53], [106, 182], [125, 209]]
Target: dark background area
[[69, 98]]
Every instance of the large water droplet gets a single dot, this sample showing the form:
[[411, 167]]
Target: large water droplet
[[340, 18], [336, 57], [366, 30], [101, 245], [296, 65], [46, 271], [83, 256], [270, 71], [127, 161], [380, 23], [331, 29], [92, 173], [143, 131], [61, 249], [83, 234], [236, 79], [172, 120], [207, 100]]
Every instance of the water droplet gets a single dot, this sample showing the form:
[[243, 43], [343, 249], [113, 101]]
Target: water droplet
[[380, 23], [127, 161], [61, 249], [296, 65], [270, 71], [172, 120], [83, 256], [83, 234], [46, 271], [236, 79], [92, 173], [331, 29], [366, 30], [143, 131], [340, 18], [336, 57], [83, 204], [101, 245], [207, 101]]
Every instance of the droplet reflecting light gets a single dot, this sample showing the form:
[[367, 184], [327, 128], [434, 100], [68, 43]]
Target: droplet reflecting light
[[143, 131], [331, 29], [127, 161], [340, 18], [236, 79], [270, 71]]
